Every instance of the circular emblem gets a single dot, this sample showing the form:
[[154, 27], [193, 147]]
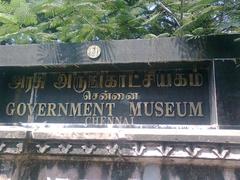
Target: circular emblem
[[93, 51]]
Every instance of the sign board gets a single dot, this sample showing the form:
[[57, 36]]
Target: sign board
[[165, 81], [155, 96]]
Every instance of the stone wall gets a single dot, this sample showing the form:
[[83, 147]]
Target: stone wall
[[87, 170]]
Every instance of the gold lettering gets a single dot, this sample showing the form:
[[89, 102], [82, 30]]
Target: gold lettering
[[125, 121], [135, 110], [31, 108], [94, 120], [180, 80], [116, 120], [179, 108], [79, 84], [10, 109], [196, 110], [62, 81], [21, 109], [87, 109], [87, 95], [41, 109], [27, 82], [122, 81], [92, 83], [195, 79], [110, 120], [29, 85], [148, 78], [62, 109], [38, 81], [51, 109], [87, 120], [96, 107], [132, 119], [169, 109], [17, 82], [110, 81], [69, 81], [101, 81], [159, 109], [165, 80], [146, 108], [132, 77], [110, 107], [75, 110], [101, 120]]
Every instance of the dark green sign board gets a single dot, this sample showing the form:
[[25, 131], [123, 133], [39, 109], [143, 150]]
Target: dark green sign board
[[167, 81], [156, 96]]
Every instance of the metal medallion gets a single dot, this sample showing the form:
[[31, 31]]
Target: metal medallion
[[93, 51]]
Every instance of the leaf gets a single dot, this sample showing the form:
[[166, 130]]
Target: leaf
[[23, 13], [237, 40], [154, 17], [7, 18], [150, 36], [8, 28], [164, 35]]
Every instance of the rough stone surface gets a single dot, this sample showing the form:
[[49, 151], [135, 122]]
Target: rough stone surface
[[60, 170]]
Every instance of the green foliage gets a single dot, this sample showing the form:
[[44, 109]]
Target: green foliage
[[40, 21]]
